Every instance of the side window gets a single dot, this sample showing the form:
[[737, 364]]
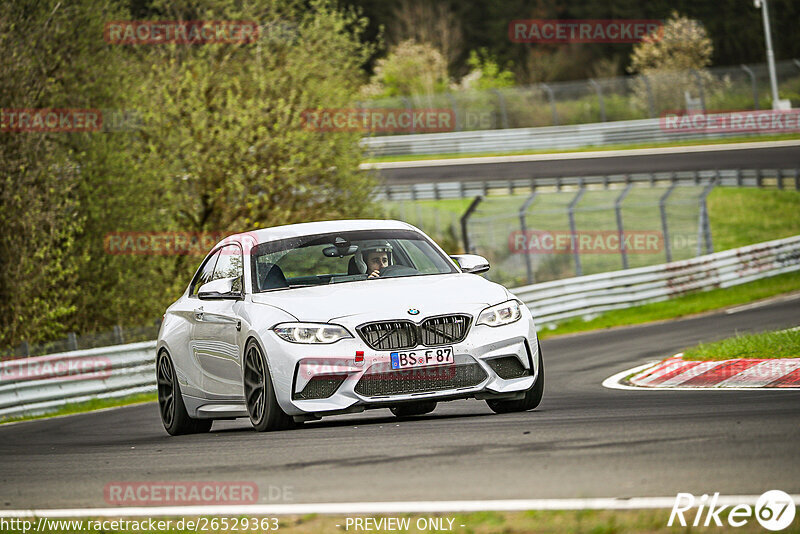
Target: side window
[[204, 274], [230, 265]]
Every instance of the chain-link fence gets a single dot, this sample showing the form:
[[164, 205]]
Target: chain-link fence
[[116, 336], [549, 235], [613, 99]]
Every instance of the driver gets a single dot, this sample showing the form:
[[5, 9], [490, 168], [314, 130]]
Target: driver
[[373, 257]]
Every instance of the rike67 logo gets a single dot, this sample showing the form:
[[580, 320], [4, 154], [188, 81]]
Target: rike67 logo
[[774, 510]]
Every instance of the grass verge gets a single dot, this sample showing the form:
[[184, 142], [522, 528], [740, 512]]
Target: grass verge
[[555, 521], [631, 146], [88, 406], [776, 344], [682, 306]]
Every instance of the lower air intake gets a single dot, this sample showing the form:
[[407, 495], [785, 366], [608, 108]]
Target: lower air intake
[[508, 367], [405, 381], [320, 387]]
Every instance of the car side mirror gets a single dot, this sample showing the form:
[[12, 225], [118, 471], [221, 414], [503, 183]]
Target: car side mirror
[[471, 263], [223, 288]]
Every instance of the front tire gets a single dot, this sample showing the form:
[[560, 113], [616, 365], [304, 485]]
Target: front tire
[[173, 412], [410, 410], [532, 397], [262, 406]]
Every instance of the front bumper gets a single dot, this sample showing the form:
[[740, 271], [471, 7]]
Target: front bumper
[[300, 371]]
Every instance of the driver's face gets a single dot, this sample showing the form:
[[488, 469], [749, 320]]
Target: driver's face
[[376, 261]]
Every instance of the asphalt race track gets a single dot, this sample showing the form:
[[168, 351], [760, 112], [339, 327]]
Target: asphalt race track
[[775, 157], [583, 441]]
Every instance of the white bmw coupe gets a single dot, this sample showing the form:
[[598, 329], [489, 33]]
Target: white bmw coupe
[[288, 324]]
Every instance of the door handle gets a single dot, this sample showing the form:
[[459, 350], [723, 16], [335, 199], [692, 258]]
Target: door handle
[[198, 313]]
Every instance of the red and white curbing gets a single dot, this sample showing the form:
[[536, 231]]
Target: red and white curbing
[[677, 373]]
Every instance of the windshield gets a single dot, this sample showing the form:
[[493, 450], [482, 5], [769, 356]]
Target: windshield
[[345, 257]]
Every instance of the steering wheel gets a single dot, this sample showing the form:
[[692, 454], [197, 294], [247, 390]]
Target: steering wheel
[[397, 270]]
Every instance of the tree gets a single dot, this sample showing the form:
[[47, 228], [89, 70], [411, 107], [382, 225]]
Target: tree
[[411, 68], [674, 63]]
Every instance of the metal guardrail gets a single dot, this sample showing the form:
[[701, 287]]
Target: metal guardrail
[[771, 178], [31, 386], [518, 139], [588, 296]]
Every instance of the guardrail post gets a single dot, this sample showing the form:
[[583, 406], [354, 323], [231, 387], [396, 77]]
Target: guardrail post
[[700, 89], [523, 226], [797, 179], [759, 179], [26, 348], [779, 178], [651, 101], [72, 341], [502, 102], [461, 190], [599, 91], [662, 207], [552, 98], [739, 179], [436, 194], [620, 228], [754, 84], [572, 229], [704, 226], [465, 218]]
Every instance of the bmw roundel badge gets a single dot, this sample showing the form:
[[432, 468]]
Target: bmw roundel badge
[[413, 311]]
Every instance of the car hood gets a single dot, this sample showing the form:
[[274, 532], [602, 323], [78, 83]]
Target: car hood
[[389, 298]]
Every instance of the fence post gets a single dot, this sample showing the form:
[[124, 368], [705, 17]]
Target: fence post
[[599, 91], [704, 229], [454, 105], [523, 226], [662, 207], [503, 113], [410, 109], [573, 231], [118, 334], [72, 341], [465, 218], [699, 81], [754, 83], [552, 98], [620, 228], [651, 101]]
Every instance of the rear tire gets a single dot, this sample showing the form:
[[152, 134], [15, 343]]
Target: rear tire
[[410, 410], [262, 405], [532, 397], [173, 412]]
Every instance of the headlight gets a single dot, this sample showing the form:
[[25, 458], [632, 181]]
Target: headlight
[[500, 314], [311, 332]]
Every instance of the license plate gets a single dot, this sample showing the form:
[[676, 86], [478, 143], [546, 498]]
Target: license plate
[[414, 359]]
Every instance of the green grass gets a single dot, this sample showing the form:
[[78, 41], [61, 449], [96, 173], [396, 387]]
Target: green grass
[[630, 146], [551, 521], [778, 344], [88, 406], [742, 217], [683, 306]]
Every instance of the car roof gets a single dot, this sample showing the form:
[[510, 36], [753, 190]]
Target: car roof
[[320, 227]]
